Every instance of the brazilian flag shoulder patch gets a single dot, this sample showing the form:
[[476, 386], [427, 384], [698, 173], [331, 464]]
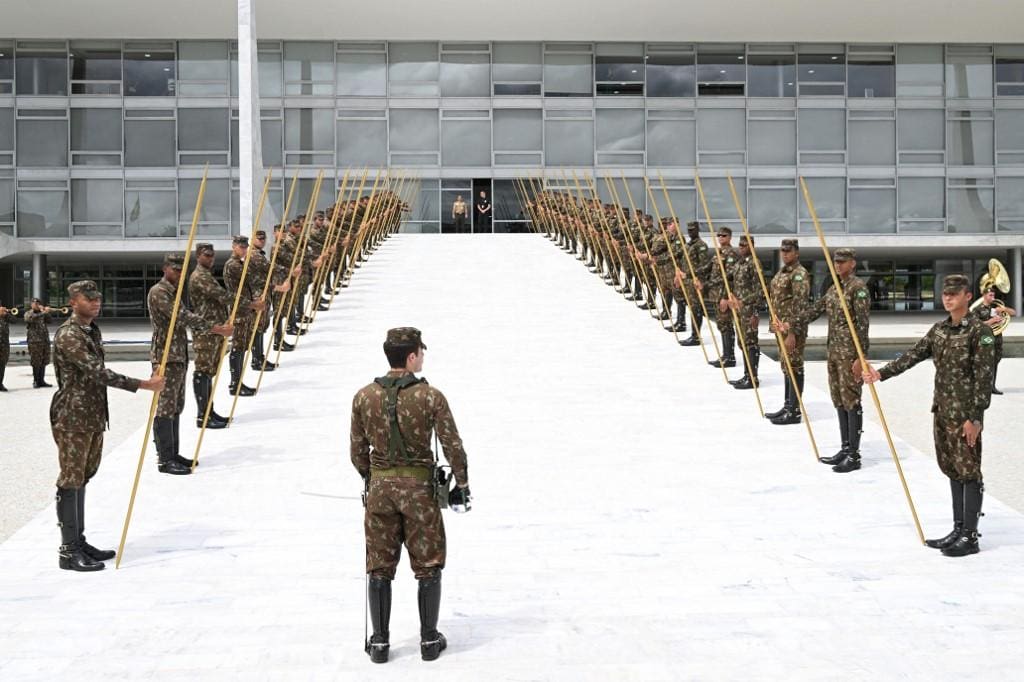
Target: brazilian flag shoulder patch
[[730, 259], [988, 340], [862, 294], [798, 278]]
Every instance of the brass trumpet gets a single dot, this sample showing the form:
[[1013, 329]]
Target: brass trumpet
[[13, 311], [1000, 279]]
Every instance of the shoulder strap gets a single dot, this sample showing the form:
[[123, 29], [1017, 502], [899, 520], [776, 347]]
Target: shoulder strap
[[391, 386]]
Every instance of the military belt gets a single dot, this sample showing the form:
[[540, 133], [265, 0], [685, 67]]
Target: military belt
[[419, 473]]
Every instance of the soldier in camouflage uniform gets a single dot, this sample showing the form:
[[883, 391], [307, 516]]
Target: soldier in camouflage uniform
[[392, 422], [259, 265], [791, 293], [843, 385], [725, 258], [282, 277], [78, 417], [160, 302], [249, 304], [5, 343], [962, 347], [38, 336], [701, 261], [211, 302], [991, 314], [747, 298]]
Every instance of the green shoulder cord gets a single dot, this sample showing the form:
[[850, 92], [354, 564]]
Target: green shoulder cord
[[391, 386]]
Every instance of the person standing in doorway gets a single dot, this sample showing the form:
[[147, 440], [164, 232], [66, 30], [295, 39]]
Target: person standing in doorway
[[483, 213], [459, 213]]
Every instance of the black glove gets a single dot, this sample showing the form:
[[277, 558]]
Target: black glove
[[460, 500]]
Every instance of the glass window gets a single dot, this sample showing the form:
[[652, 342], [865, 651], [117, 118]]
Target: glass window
[[43, 141], [720, 203], [771, 75], [829, 197], [1009, 134], [772, 209], [214, 214], [517, 68], [568, 75], [872, 138], [1010, 75], [6, 67], [413, 69], [772, 141], [272, 139], [620, 130], [871, 76], [203, 68], [970, 205], [969, 138], [95, 67], [309, 68], [968, 73], [518, 130], [682, 203], [822, 129], [202, 129], [151, 212], [619, 69], [43, 213], [465, 75], [569, 143], [872, 208], [6, 129], [308, 129], [672, 141], [921, 131], [7, 202], [721, 72], [721, 135], [922, 199], [149, 72], [42, 69], [96, 130], [414, 130], [362, 142], [465, 142], [149, 142], [271, 70], [362, 74], [822, 74], [671, 74], [97, 201], [1009, 193], [919, 71]]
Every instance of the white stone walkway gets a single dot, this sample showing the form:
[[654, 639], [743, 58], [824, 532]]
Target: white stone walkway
[[634, 517]]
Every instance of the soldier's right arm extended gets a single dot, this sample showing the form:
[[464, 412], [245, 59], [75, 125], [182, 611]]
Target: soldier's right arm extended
[[922, 350]]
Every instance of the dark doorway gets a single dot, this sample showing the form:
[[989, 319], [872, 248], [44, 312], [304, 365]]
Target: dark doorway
[[483, 220]]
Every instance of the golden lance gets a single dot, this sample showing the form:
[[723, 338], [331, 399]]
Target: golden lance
[[640, 270], [613, 244], [860, 355], [345, 253], [610, 252], [363, 227], [163, 364], [573, 202], [337, 257]]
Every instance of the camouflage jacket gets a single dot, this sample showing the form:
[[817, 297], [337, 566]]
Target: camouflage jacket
[[699, 256], [36, 331], [663, 257], [748, 285], [728, 256], [207, 297], [5, 328], [259, 267], [791, 294], [233, 277], [293, 244], [840, 343], [964, 356], [985, 312], [421, 410], [161, 302], [80, 403]]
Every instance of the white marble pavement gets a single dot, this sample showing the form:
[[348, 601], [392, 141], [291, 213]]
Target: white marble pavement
[[634, 517]]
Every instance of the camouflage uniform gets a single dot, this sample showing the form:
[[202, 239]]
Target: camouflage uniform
[[244, 315], [748, 291], [160, 301], [259, 266], [38, 337], [212, 303], [790, 290], [727, 256], [985, 312], [5, 343], [845, 390]]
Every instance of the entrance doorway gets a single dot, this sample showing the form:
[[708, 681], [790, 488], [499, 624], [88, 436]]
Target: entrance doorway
[[483, 220]]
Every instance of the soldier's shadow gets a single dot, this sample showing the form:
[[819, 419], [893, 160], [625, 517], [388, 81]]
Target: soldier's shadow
[[171, 544]]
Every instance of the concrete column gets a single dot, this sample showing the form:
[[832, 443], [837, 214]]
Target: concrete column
[[39, 276], [250, 155], [1016, 279]]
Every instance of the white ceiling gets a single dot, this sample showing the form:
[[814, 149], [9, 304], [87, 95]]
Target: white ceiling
[[907, 21]]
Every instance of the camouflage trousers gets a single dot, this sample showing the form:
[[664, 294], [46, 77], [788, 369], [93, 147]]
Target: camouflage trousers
[[956, 458], [207, 347], [748, 326], [842, 385], [403, 511], [78, 453], [796, 356], [722, 319], [172, 398], [5, 353], [39, 354], [240, 336]]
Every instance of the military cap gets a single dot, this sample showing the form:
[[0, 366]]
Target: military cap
[[744, 240], [790, 245], [404, 336], [844, 254], [693, 226], [259, 234], [174, 260], [954, 284], [85, 287], [203, 247], [36, 300], [725, 230], [240, 239]]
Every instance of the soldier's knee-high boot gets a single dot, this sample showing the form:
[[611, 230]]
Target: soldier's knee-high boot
[[378, 594], [235, 360], [851, 462], [87, 549], [792, 414], [279, 341], [258, 355], [71, 555], [432, 642], [967, 542], [164, 437], [785, 403], [749, 379], [3, 369], [956, 491], [844, 433], [698, 319], [201, 386], [176, 439], [680, 325], [728, 350]]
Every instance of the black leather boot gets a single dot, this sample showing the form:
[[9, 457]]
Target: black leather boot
[[71, 556], [280, 344], [432, 642], [792, 415], [749, 379], [3, 369], [728, 351], [694, 340], [956, 491], [785, 403], [680, 325], [258, 355], [844, 433], [163, 436], [40, 378], [851, 462], [967, 543], [176, 438], [235, 359], [378, 593], [201, 385], [995, 372], [87, 549]]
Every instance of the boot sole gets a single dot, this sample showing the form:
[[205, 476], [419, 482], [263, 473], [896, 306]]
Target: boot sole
[[66, 565]]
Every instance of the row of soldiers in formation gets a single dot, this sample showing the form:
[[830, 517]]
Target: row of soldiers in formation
[[312, 260], [651, 263]]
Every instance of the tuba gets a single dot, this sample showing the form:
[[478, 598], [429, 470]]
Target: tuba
[[1000, 279]]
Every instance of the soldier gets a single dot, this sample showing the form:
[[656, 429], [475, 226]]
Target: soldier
[[392, 421], [38, 337], [260, 267], [747, 297], [843, 385], [293, 241], [160, 301], [78, 417], [962, 349], [249, 303], [725, 259], [701, 260], [992, 314], [790, 290], [282, 277], [5, 343]]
